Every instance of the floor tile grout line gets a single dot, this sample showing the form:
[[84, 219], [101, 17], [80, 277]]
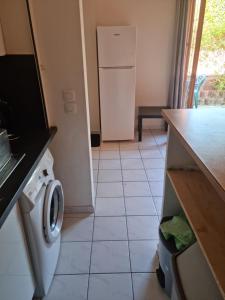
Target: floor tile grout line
[[96, 190], [90, 262], [102, 273], [79, 216], [133, 240], [128, 158], [140, 169], [128, 215], [118, 181], [159, 217], [151, 192], [152, 180], [127, 233], [96, 241], [156, 139], [127, 196], [93, 232], [158, 146]]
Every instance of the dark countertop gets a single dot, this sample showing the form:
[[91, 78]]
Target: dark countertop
[[33, 144]]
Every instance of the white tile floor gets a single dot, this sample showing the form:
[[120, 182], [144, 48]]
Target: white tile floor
[[111, 255]]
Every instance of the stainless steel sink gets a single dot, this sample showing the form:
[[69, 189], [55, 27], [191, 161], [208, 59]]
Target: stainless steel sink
[[9, 167], [8, 161], [5, 151]]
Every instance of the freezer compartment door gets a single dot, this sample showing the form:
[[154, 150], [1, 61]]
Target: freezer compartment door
[[117, 101], [116, 46]]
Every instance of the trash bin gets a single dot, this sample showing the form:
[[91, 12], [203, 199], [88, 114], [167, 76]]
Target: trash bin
[[173, 235], [166, 249], [95, 139]]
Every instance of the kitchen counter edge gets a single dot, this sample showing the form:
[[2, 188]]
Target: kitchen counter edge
[[34, 145]]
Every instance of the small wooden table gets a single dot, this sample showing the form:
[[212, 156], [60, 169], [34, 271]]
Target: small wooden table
[[149, 112]]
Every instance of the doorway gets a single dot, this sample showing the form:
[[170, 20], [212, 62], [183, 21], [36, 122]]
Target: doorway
[[205, 55]]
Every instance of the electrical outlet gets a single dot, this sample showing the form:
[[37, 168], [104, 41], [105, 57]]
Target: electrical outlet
[[70, 107]]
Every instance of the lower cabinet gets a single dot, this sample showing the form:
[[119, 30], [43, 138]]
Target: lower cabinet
[[16, 278]]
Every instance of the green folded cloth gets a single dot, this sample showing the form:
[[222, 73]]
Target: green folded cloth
[[179, 229]]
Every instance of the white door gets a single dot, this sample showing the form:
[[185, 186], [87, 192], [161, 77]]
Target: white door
[[117, 101], [116, 46]]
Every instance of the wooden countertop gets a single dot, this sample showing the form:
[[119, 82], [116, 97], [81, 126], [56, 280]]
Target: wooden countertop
[[202, 132]]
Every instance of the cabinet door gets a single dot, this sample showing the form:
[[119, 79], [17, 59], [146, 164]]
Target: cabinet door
[[16, 280]]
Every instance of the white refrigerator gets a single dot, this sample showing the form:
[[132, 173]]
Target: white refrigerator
[[117, 81]]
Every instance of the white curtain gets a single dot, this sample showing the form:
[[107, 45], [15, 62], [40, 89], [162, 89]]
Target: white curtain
[[177, 75]]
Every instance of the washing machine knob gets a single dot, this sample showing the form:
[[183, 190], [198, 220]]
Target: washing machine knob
[[45, 172]]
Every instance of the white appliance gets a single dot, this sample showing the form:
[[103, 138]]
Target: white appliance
[[42, 206], [117, 80]]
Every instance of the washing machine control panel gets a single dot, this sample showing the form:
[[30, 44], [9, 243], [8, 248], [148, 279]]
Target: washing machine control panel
[[41, 176], [33, 186]]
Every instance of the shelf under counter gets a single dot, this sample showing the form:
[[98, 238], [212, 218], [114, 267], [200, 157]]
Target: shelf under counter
[[205, 210]]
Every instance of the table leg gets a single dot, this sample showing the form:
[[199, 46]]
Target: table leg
[[166, 126], [139, 128]]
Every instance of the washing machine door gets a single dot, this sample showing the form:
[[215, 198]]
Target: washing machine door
[[53, 210]]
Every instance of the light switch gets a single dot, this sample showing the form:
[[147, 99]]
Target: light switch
[[69, 95]]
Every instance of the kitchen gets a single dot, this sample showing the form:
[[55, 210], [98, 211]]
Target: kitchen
[[59, 110]]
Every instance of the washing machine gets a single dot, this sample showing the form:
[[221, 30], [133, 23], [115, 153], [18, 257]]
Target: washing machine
[[42, 205]]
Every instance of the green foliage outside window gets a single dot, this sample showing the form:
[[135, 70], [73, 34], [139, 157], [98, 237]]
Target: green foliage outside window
[[212, 53], [220, 83], [213, 37]]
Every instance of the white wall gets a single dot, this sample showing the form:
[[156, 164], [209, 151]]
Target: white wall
[[155, 27], [15, 27], [58, 38], [89, 11]]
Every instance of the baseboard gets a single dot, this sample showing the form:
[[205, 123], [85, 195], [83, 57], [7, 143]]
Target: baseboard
[[79, 209]]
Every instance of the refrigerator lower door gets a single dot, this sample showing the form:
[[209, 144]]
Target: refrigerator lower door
[[117, 102]]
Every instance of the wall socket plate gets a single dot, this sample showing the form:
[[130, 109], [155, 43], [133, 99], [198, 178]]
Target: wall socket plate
[[70, 107]]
